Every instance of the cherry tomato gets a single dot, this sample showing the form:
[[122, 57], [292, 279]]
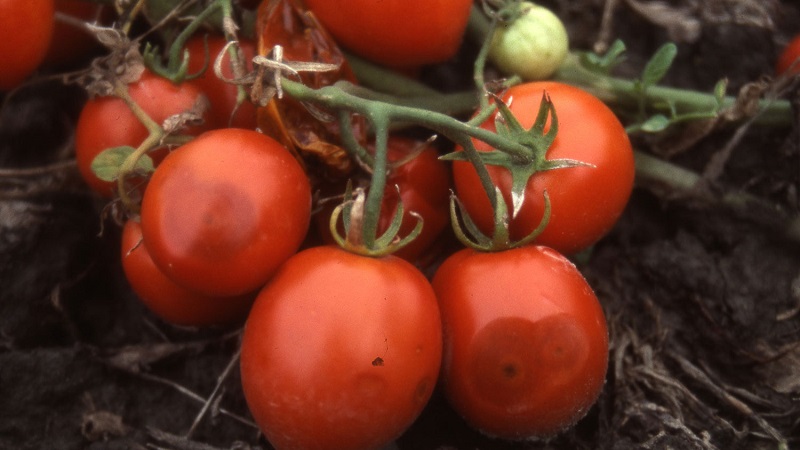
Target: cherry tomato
[[396, 33], [424, 185], [788, 57], [340, 351], [222, 95], [586, 201], [107, 122], [167, 300], [221, 213], [25, 30], [526, 341]]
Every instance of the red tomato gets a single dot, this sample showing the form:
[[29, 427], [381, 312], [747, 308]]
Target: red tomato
[[424, 184], [789, 56], [585, 201], [340, 351], [396, 33], [222, 95], [107, 122], [221, 213], [526, 342], [166, 299], [69, 42], [25, 30]]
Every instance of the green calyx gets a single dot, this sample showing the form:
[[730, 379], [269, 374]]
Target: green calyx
[[522, 165]]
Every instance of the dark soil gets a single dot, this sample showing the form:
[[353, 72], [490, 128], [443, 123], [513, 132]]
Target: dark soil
[[703, 301]]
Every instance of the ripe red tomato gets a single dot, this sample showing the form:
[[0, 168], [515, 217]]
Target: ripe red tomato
[[221, 95], [107, 122], [424, 184], [167, 300], [585, 201], [25, 30], [396, 33], [340, 351], [221, 213], [526, 341], [788, 56]]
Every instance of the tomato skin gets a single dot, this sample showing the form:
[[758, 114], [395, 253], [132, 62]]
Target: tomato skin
[[340, 351], [221, 95], [222, 212], [396, 33], [585, 201], [172, 303], [107, 122], [788, 55], [25, 30], [424, 184], [526, 341]]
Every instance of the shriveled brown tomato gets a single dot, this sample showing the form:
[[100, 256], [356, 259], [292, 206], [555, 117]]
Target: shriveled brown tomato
[[423, 182], [169, 301], [107, 122], [288, 24], [223, 111]]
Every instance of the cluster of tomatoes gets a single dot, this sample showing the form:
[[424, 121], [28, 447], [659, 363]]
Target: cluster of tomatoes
[[341, 349]]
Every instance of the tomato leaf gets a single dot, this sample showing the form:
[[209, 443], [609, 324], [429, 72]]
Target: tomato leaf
[[106, 165], [605, 63], [655, 124], [659, 64]]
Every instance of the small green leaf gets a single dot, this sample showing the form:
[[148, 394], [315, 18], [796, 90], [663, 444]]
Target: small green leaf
[[655, 124], [106, 165], [659, 64], [606, 62]]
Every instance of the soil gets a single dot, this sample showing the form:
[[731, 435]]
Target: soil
[[702, 300]]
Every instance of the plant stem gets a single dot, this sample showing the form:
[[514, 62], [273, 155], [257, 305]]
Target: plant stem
[[668, 180]]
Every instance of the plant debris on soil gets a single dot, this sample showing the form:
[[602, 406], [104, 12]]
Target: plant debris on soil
[[702, 300]]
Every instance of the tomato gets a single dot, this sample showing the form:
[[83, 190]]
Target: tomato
[[424, 185], [167, 300], [788, 57], [340, 351], [222, 95], [396, 33], [107, 122], [221, 213], [586, 201], [525, 338], [69, 42], [25, 30]]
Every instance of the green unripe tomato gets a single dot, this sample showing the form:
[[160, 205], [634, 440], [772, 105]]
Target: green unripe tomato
[[533, 46]]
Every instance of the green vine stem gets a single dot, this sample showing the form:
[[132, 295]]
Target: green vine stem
[[624, 93], [669, 180]]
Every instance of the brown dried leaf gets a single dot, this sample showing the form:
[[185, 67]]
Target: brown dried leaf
[[680, 22]]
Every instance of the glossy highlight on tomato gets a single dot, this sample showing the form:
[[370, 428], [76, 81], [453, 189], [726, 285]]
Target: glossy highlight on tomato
[[169, 301], [340, 351], [396, 33], [222, 212], [25, 30], [107, 122], [586, 201], [525, 341]]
